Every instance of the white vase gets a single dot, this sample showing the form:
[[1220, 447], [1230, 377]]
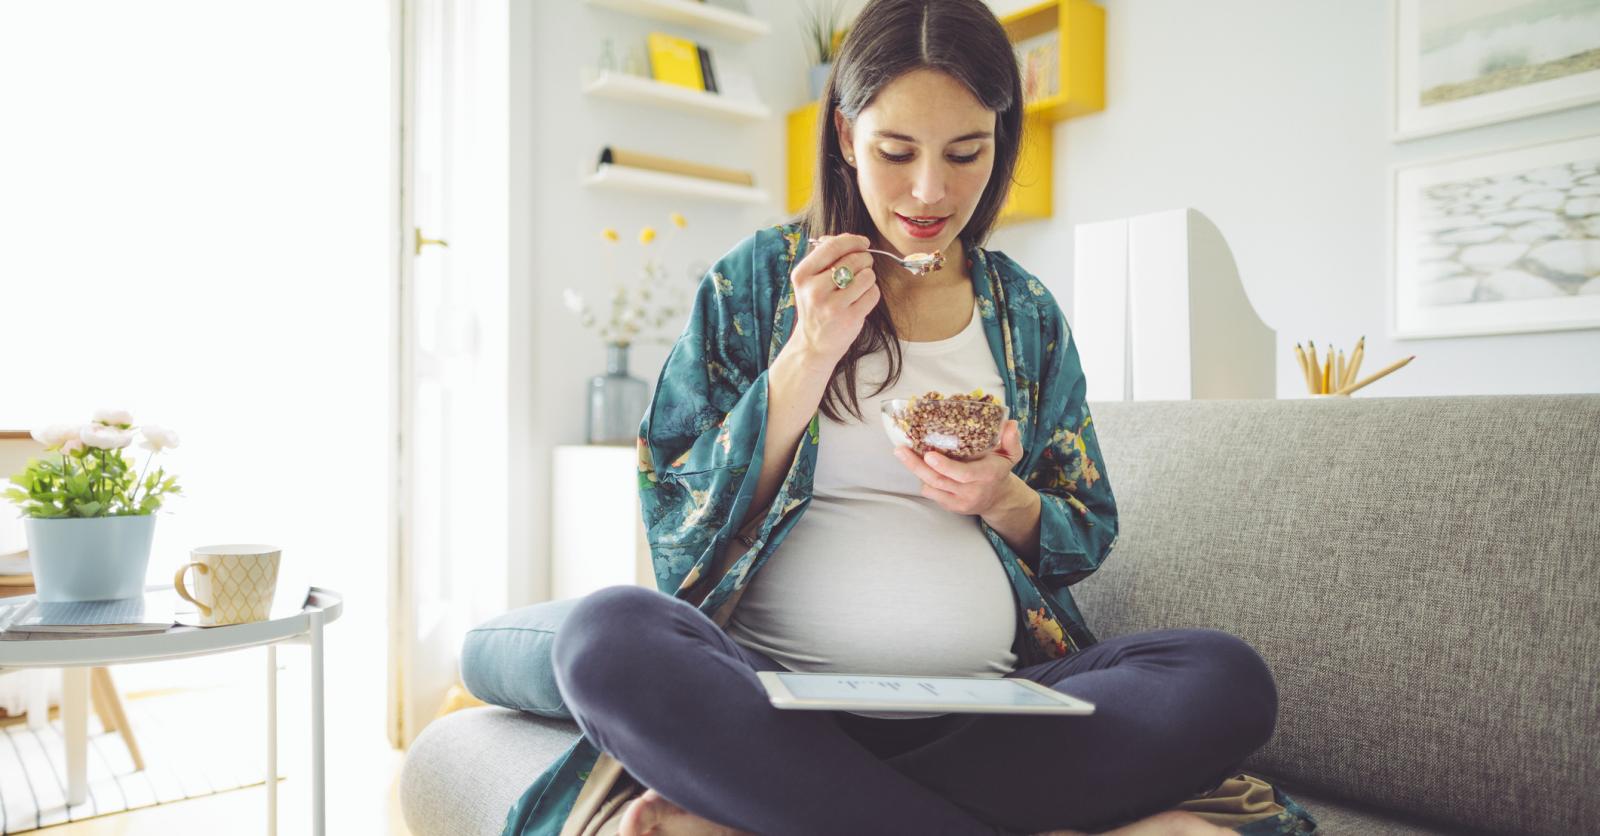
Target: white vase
[[90, 559]]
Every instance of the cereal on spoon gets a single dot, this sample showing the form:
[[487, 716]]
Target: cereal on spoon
[[921, 264]]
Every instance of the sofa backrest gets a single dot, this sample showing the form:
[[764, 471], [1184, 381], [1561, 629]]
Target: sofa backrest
[[1422, 575]]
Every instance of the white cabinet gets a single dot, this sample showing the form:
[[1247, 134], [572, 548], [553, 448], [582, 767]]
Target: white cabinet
[[1160, 314], [597, 531]]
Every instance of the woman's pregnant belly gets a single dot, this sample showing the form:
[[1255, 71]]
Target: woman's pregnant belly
[[882, 583]]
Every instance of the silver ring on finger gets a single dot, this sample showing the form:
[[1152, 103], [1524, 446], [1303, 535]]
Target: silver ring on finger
[[842, 277]]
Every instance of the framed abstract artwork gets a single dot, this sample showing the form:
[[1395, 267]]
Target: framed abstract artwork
[[1499, 242], [1463, 63]]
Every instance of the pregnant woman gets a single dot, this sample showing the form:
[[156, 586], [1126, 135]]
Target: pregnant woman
[[789, 534]]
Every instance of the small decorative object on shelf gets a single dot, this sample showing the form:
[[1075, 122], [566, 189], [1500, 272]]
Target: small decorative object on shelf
[[1040, 60], [639, 312], [824, 33], [90, 512], [635, 63], [633, 159]]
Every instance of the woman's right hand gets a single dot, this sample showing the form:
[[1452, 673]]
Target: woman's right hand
[[828, 318]]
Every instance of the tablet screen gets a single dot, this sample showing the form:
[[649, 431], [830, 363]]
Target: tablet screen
[[929, 690]]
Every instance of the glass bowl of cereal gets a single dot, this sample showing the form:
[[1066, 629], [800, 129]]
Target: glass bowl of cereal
[[963, 427]]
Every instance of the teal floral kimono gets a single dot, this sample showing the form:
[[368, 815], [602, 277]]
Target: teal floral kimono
[[701, 446]]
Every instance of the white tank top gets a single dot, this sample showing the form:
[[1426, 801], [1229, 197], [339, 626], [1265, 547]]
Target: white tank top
[[875, 578]]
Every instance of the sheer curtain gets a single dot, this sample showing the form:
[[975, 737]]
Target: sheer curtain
[[194, 226]]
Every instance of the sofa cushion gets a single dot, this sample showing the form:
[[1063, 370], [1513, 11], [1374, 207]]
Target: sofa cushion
[[466, 769], [1422, 575], [506, 661], [1343, 818]]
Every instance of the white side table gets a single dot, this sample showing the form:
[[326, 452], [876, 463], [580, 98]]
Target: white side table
[[76, 656], [597, 534]]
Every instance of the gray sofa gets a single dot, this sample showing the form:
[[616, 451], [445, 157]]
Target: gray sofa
[[1422, 574]]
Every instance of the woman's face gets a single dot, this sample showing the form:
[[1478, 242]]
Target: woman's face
[[923, 151]]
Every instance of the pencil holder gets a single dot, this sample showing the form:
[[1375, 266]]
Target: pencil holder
[[1332, 376], [1327, 374]]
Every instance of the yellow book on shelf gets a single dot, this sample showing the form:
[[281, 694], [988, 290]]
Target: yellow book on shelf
[[675, 61]]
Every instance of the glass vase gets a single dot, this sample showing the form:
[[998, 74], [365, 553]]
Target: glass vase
[[616, 402]]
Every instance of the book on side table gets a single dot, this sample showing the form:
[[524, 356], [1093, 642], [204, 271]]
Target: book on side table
[[155, 612]]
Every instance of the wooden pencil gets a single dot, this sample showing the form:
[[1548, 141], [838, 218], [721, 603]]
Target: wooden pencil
[[1338, 371], [1355, 362], [1316, 369], [1327, 371], [1376, 375], [1305, 365]]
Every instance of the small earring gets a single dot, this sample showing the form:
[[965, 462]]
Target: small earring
[[849, 160]]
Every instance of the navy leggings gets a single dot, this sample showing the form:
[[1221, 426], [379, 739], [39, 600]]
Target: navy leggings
[[656, 684]]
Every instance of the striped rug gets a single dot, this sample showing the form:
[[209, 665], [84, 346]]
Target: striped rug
[[193, 745]]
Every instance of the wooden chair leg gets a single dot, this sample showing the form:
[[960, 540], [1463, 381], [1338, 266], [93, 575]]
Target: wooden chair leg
[[114, 703], [97, 698]]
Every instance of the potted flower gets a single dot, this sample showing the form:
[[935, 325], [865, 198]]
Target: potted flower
[[90, 512], [824, 31], [638, 312]]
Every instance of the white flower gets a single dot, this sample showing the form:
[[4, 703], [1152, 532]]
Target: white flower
[[71, 446], [573, 301], [55, 435], [157, 438], [113, 417], [106, 438]]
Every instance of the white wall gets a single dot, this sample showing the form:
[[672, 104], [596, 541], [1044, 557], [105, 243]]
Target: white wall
[[556, 130], [1272, 119]]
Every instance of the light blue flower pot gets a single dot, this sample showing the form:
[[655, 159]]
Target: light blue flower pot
[[91, 559], [816, 77]]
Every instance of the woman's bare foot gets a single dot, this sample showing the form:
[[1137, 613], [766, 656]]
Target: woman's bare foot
[[1170, 823], [652, 815]]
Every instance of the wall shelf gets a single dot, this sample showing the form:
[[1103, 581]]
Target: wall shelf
[[626, 178], [623, 87], [1079, 27], [707, 18]]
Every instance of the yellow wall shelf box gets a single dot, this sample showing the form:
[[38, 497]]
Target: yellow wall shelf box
[[1080, 27]]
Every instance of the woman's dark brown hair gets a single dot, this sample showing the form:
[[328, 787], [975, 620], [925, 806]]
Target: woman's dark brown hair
[[960, 38]]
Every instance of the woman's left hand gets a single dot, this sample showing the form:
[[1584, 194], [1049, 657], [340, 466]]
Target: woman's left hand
[[972, 488]]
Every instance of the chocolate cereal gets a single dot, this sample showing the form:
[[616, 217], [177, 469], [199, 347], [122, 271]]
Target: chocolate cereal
[[963, 427]]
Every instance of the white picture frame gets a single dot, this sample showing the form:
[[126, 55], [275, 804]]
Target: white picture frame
[[1556, 39], [1499, 242]]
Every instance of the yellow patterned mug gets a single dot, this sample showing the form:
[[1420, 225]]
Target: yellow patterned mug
[[233, 584]]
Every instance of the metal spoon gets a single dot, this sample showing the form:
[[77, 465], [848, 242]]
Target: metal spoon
[[917, 264]]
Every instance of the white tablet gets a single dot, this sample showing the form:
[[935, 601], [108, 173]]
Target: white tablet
[[948, 694]]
